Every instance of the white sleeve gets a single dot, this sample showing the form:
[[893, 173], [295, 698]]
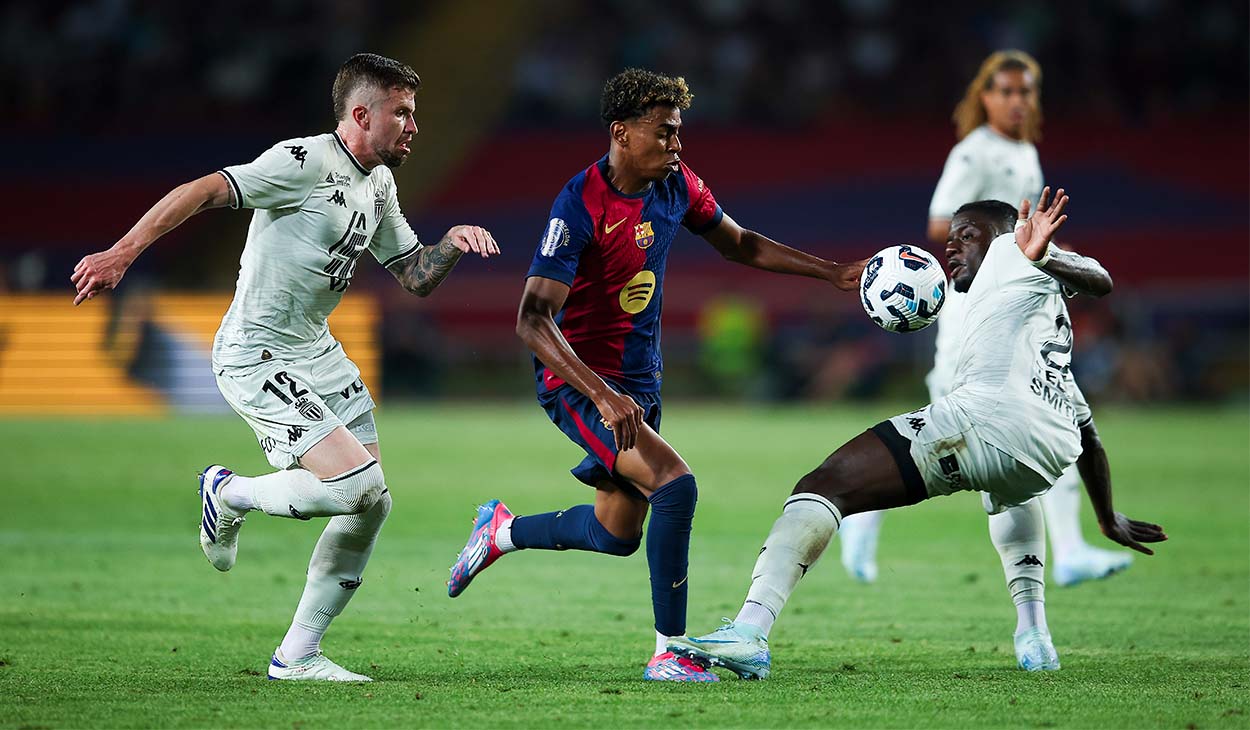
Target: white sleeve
[[394, 239], [282, 177], [960, 183]]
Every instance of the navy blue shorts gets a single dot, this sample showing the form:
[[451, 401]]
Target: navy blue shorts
[[576, 415]]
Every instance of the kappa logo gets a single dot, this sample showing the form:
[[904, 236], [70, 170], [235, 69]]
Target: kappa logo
[[296, 513], [917, 423], [294, 433], [643, 235], [607, 229], [350, 585], [299, 153], [338, 198], [1029, 560]]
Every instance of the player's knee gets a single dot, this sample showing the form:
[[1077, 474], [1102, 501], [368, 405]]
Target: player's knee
[[676, 498], [826, 479], [358, 489], [603, 541]]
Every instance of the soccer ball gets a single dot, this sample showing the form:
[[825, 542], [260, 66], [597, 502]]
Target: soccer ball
[[903, 288]]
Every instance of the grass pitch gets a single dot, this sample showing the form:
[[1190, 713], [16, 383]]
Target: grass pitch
[[111, 617]]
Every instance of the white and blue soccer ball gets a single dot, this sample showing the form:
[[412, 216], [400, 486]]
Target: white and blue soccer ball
[[903, 288]]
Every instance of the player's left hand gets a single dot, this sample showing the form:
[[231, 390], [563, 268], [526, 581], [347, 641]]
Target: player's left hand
[[98, 273], [1131, 533], [846, 276], [1034, 234], [473, 238]]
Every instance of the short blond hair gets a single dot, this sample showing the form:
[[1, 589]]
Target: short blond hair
[[970, 113]]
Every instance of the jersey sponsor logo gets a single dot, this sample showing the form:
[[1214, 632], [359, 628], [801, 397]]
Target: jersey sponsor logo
[[339, 180], [345, 252], [556, 235], [643, 235], [299, 153], [636, 295], [607, 229], [338, 198]]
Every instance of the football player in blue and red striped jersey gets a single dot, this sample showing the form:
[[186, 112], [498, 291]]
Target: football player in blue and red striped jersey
[[590, 313]]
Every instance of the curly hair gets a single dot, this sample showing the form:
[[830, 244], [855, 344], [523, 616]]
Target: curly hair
[[632, 92], [372, 70], [970, 113]]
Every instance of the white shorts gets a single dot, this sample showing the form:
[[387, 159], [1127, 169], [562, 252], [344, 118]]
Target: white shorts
[[947, 455], [294, 405]]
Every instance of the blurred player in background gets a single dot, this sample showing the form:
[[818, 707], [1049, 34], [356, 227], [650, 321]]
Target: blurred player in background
[[1012, 422], [997, 122], [320, 203], [590, 313]]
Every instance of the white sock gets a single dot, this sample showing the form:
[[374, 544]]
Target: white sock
[[661, 643], [334, 573], [503, 536], [1030, 614], [1019, 536], [1063, 515], [799, 536], [297, 493], [756, 614]]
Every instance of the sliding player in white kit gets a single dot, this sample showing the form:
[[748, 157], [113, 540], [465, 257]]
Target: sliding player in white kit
[[1013, 421], [998, 120], [320, 202]]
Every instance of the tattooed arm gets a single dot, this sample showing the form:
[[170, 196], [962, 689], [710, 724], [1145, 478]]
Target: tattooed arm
[[421, 274]]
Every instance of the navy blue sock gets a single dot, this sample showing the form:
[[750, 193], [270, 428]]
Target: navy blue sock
[[668, 552], [575, 528]]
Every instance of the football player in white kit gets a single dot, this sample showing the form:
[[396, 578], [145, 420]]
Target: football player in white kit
[[320, 202], [997, 121], [1012, 422]]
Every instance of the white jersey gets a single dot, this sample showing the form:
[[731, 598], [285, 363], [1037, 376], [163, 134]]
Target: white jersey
[[984, 166], [1012, 379], [317, 210]]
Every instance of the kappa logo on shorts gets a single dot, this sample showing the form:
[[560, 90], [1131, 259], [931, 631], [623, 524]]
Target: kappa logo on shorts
[[309, 410], [917, 423], [1029, 560], [293, 434]]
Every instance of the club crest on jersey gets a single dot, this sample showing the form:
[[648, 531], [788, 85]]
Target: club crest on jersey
[[556, 235], [643, 235], [637, 293], [379, 203]]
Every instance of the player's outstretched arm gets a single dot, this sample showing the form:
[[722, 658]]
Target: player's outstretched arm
[[1096, 473], [422, 273], [744, 246], [540, 302], [99, 272], [1034, 235]]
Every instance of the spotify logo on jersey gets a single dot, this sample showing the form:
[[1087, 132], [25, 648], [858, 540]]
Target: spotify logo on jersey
[[637, 293]]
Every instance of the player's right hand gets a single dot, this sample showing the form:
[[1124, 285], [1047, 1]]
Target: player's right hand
[[97, 273], [1131, 533], [622, 416]]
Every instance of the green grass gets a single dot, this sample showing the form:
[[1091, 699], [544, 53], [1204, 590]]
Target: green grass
[[111, 617]]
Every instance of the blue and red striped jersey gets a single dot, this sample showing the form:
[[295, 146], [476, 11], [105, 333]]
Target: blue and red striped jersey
[[611, 249]]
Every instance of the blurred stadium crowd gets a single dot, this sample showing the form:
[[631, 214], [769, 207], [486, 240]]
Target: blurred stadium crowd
[[119, 100]]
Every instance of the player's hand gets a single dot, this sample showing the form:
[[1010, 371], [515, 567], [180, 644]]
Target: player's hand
[[622, 416], [1034, 234], [1131, 533], [98, 272], [846, 276], [473, 238]]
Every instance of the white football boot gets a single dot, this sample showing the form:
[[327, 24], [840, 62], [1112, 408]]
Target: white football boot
[[219, 523], [315, 667], [1035, 651]]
